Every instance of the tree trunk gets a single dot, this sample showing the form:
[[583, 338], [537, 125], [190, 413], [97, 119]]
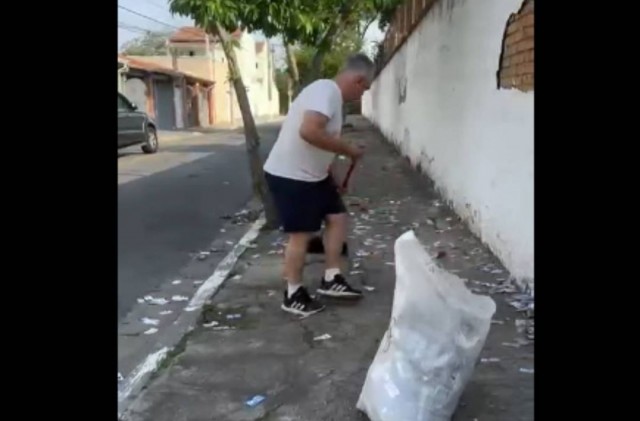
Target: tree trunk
[[325, 43], [316, 65], [292, 67], [252, 139]]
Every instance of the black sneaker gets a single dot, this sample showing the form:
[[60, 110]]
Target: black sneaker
[[301, 303], [338, 288]]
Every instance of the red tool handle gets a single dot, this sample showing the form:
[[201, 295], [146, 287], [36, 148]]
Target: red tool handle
[[348, 176]]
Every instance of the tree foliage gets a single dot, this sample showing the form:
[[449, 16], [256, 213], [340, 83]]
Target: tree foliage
[[347, 42], [153, 43]]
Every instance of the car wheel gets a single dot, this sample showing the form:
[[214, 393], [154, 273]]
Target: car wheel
[[151, 145]]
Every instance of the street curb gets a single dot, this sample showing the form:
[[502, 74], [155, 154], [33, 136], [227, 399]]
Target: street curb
[[184, 135], [138, 378]]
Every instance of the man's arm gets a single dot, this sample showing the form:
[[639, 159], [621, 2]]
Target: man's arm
[[313, 130]]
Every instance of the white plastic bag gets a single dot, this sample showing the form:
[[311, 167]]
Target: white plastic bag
[[427, 356]]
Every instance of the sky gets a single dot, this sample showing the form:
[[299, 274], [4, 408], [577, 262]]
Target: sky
[[156, 17]]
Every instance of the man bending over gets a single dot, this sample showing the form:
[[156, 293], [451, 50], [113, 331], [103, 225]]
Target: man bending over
[[298, 175]]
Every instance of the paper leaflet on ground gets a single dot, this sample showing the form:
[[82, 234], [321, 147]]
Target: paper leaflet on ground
[[427, 356]]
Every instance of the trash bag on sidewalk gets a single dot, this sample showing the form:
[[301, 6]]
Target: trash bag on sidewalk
[[427, 356]]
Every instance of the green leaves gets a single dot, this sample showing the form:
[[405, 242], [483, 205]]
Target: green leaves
[[150, 44], [305, 22]]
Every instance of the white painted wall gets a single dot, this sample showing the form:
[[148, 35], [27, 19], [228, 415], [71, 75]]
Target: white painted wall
[[265, 81], [438, 100]]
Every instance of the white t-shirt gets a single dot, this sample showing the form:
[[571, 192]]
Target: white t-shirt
[[292, 156]]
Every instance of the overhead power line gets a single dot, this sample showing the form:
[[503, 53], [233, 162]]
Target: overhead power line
[[146, 17]]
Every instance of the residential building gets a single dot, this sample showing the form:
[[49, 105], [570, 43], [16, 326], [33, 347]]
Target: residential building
[[175, 99], [192, 50]]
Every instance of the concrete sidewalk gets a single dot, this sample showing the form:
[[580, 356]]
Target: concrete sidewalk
[[313, 369]]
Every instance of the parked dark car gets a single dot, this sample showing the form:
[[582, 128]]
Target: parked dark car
[[135, 127]]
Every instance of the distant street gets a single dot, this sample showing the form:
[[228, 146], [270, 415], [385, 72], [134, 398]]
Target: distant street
[[170, 204]]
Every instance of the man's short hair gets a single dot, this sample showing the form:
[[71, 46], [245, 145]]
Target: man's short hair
[[359, 63]]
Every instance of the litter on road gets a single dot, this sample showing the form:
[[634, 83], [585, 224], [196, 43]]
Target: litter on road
[[155, 301], [322, 337], [179, 298], [152, 322], [255, 401], [151, 331], [212, 324]]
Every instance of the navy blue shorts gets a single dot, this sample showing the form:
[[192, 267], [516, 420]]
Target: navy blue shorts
[[302, 205]]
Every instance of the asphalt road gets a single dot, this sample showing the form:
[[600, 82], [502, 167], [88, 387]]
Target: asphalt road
[[170, 204]]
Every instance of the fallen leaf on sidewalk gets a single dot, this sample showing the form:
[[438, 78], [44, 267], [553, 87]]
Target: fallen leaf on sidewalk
[[322, 337]]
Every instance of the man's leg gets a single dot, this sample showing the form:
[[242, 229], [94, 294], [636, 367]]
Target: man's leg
[[296, 298], [335, 235], [294, 258], [333, 283], [294, 201]]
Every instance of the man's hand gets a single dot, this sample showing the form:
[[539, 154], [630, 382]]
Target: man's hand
[[355, 152]]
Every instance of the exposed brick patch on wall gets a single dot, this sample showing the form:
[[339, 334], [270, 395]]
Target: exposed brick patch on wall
[[516, 67]]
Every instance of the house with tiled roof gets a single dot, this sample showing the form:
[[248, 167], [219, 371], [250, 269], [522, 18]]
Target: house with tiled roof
[[194, 51], [174, 98]]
